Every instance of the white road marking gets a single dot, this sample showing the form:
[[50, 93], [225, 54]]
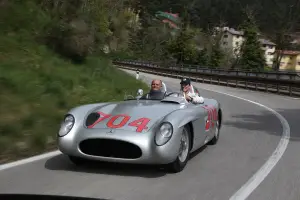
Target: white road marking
[[263, 172], [29, 160]]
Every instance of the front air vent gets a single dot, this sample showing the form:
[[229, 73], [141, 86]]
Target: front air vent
[[91, 119]]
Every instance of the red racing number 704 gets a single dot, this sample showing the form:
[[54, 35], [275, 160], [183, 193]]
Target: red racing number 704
[[140, 123], [212, 116]]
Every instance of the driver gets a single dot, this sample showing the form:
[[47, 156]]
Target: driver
[[155, 92], [189, 93], [156, 84]]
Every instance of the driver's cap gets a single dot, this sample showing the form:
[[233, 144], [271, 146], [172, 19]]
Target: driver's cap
[[185, 81]]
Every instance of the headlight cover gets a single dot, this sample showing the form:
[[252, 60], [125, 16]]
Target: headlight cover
[[66, 125], [164, 133]]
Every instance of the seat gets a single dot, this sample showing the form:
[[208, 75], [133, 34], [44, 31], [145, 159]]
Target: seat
[[164, 87]]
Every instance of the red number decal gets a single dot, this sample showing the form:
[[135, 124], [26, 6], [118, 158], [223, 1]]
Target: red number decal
[[141, 124], [111, 124], [215, 114], [209, 122], [212, 115], [102, 117]]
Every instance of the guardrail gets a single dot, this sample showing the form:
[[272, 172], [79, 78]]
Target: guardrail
[[260, 81], [291, 75]]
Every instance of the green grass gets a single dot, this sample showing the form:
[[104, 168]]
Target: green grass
[[37, 87]]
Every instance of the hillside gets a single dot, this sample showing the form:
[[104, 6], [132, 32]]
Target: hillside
[[37, 85], [209, 13]]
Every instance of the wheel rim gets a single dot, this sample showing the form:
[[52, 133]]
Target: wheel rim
[[184, 146]]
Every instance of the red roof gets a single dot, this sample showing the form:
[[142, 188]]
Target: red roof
[[173, 14], [287, 52]]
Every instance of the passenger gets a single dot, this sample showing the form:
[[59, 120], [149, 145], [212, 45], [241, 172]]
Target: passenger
[[189, 93]]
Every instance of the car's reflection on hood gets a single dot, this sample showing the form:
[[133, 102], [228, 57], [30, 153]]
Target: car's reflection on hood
[[43, 197]]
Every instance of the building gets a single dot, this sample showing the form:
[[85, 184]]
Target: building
[[269, 50], [232, 41], [172, 19], [290, 60]]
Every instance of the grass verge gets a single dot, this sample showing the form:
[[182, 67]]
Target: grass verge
[[36, 89]]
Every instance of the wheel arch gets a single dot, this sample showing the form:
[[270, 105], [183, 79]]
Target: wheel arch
[[190, 127], [220, 117]]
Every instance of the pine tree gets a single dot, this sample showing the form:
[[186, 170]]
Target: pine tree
[[252, 56], [216, 56], [202, 57]]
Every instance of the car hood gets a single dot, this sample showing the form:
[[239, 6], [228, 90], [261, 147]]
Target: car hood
[[120, 115]]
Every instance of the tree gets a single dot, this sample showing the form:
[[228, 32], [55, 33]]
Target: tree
[[182, 47], [252, 56], [216, 56]]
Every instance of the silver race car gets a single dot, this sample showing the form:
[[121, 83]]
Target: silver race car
[[143, 130]]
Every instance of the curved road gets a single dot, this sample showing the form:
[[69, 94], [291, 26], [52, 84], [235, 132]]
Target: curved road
[[249, 136]]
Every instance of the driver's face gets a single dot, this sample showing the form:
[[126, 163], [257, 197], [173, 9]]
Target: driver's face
[[155, 85]]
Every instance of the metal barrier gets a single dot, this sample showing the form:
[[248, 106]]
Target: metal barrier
[[284, 83]]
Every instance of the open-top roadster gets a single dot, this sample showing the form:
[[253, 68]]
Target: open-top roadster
[[140, 130]]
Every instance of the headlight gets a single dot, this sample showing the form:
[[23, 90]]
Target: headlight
[[164, 134], [66, 125]]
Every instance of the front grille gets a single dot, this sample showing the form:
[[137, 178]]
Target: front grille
[[110, 148]]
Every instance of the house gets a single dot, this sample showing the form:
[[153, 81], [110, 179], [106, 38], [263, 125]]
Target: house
[[290, 60], [232, 41], [269, 50], [172, 19]]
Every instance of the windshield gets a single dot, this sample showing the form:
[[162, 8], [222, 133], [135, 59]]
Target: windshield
[[154, 95], [157, 95]]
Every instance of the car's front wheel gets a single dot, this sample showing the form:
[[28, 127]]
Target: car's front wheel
[[184, 152]]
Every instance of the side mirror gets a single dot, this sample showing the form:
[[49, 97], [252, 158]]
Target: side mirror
[[139, 93]]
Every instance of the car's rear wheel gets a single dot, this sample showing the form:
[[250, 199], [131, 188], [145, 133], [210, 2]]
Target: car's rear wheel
[[184, 152], [76, 160], [216, 136]]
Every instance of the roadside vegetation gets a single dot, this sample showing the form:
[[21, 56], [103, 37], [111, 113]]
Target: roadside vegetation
[[38, 83]]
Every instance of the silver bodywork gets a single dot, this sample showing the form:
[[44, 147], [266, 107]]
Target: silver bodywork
[[140, 146]]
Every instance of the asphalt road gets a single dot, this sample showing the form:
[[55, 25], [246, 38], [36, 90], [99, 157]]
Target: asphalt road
[[249, 136]]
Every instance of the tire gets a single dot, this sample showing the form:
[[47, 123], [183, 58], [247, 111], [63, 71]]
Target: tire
[[215, 139], [77, 161], [179, 164]]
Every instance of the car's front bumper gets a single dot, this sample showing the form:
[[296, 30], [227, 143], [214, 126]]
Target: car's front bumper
[[118, 146]]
